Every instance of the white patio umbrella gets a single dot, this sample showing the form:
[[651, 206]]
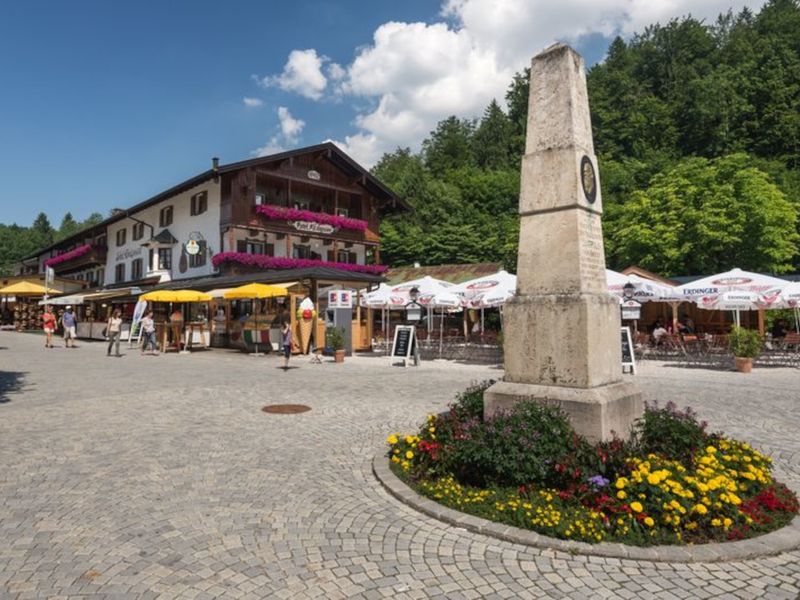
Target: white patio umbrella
[[447, 302], [735, 300], [789, 297], [426, 286], [644, 290], [489, 291], [730, 281]]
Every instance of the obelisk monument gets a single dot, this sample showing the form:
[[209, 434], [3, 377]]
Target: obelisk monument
[[562, 329]]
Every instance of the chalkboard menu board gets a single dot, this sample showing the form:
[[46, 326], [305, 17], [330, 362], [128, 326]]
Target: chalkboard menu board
[[404, 344], [628, 359]]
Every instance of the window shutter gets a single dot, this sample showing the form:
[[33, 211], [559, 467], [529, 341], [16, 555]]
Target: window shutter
[[352, 258], [269, 249], [241, 246], [330, 255]]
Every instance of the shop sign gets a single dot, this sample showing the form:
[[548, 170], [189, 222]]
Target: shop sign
[[312, 174], [129, 253], [192, 247], [631, 310], [311, 227], [340, 299]]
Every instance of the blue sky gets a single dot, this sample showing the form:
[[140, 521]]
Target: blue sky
[[103, 104]]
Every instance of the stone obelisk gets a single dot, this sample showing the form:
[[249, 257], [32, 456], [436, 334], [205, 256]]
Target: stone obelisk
[[562, 329]]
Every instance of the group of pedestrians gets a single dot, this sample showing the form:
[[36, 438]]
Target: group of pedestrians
[[68, 323], [113, 330]]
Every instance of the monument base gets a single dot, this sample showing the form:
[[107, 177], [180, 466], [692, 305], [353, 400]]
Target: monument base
[[596, 413]]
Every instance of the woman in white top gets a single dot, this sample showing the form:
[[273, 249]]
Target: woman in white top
[[113, 328]]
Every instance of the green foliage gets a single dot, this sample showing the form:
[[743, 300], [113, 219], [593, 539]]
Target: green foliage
[[704, 216], [671, 433], [335, 338], [469, 403], [745, 343]]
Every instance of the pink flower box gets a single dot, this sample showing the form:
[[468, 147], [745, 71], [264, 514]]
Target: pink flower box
[[279, 213], [75, 253], [278, 263]]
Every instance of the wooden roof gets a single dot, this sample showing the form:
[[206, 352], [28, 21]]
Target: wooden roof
[[450, 273]]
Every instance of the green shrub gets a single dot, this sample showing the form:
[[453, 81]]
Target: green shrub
[[518, 447], [469, 403], [745, 343], [335, 338], [670, 432]]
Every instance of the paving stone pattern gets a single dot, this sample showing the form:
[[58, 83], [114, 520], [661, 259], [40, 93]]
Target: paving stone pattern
[[144, 477]]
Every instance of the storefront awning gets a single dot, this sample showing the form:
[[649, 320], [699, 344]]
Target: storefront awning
[[72, 299], [115, 293]]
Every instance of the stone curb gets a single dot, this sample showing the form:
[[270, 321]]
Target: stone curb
[[770, 544]]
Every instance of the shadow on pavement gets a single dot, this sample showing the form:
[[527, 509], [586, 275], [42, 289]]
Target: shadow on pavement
[[10, 382]]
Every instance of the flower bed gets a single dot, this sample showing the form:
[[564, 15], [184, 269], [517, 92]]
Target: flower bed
[[672, 483], [278, 263], [280, 213], [75, 253]]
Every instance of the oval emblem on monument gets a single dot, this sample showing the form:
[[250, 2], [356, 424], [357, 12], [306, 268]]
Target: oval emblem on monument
[[588, 180]]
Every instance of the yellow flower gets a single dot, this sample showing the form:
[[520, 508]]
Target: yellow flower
[[727, 522], [395, 459], [621, 483], [700, 509], [711, 450], [653, 479], [392, 439], [637, 507], [409, 455], [409, 439], [649, 521], [621, 495], [432, 429]]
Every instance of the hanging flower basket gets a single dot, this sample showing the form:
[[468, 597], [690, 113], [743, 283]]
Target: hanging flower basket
[[279, 213], [277, 263]]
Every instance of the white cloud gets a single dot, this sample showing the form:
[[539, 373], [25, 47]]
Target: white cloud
[[301, 74], [252, 102], [289, 129], [412, 75]]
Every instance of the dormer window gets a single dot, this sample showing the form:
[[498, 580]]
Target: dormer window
[[165, 217]]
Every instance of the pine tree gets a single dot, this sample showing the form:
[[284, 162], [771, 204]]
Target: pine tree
[[492, 142]]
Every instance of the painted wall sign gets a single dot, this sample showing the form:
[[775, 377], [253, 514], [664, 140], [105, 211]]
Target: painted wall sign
[[311, 227], [128, 253], [312, 174], [192, 247]]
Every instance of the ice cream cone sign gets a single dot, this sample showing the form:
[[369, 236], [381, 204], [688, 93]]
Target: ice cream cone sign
[[305, 322]]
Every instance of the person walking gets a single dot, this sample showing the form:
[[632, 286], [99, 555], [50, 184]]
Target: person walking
[[113, 330], [69, 322], [148, 333], [49, 326], [286, 338]]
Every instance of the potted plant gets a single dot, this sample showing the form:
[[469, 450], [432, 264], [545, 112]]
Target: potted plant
[[336, 342], [745, 345]]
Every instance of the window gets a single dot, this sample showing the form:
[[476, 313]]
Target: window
[[121, 235], [119, 273], [342, 212], [165, 258], [101, 276], [138, 231], [199, 204], [250, 246], [165, 216], [199, 259], [136, 269], [260, 199], [300, 251], [101, 241], [342, 256]]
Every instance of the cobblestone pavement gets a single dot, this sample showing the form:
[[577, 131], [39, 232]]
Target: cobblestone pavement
[[150, 477]]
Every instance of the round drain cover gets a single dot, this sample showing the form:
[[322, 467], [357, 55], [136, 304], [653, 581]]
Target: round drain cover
[[285, 409]]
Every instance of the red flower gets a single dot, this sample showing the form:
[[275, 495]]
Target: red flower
[[279, 213]]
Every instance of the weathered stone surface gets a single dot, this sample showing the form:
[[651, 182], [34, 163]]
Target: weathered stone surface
[[562, 330], [562, 340], [598, 412]]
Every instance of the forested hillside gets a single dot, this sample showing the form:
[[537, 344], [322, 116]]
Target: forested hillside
[[697, 130], [17, 242]]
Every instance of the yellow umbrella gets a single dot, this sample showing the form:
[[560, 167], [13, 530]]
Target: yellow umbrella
[[255, 290], [252, 291], [175, 296], [26, 288]]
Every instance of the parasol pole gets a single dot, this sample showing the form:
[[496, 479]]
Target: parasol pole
[[482, 321], [441, 332]]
